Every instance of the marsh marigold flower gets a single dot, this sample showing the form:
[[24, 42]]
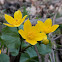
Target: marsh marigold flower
[[0, 51], [46, 27], [30, 33], [16, 21]]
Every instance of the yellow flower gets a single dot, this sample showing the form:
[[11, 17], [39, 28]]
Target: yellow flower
[[46, 27], [31, 34], [0, 51], [16, 21]]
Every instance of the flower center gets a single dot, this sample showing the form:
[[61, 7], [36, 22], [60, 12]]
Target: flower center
[[16, 22], [31, 35]]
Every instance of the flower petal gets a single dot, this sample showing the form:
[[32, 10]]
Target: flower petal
[[9, 25], [41, 36], [18, 15], [40, 22], [21, 21], [27, 26], [32, 42], [48, 22], [21, 32], [54, 27], [41, 26], [37, 27], [9, 19]]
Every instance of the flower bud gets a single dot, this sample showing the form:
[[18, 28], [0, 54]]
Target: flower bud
[[45, 41], [0, 51]]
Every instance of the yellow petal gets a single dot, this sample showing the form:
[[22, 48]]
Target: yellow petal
[[40, 22], [18, 15], [47, 30], [34, 29], [0, 51], [22, 33], [32, 42], [21, 21], [41, 26], [9, 25], [40, 36], [27, 26], [54, 27], [37, 27], [9, 19], [48, 22]]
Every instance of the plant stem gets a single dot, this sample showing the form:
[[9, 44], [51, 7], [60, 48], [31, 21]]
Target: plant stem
[[17, 58], [26, 48]]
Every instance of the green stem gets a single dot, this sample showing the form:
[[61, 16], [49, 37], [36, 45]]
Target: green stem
[[20, 36], [26, 48]]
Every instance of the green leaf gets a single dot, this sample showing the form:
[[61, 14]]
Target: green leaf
[[24, 44], [11, 38], [29, 55], [14, 51], [21, 26], [31, 51], [44, 49], [24, 57], [1, 41], [4, 58], [35, 59]]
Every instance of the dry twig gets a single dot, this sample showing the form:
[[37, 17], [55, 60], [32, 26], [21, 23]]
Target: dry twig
[[39, 57]]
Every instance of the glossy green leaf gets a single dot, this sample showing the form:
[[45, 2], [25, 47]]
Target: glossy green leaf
[[11, 38], [31, 51], [24, 57], [1, 40], [29, 55], [24, 44], [21, 26], [4, 58], [44, 49]]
